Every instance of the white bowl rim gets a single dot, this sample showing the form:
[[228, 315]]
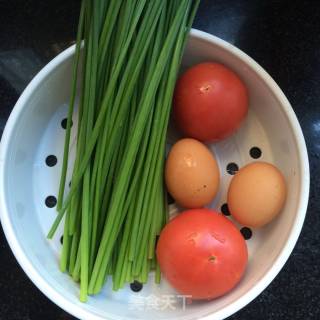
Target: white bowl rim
[[230, 309]]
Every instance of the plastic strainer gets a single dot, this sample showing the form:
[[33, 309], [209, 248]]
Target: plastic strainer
[[33, 141]]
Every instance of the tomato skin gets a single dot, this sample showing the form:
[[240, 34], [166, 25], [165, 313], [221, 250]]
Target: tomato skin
[[202, 254], [210, 102]]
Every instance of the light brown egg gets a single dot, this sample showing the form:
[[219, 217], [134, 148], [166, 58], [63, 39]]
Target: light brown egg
[[256, 194], [191, 174]]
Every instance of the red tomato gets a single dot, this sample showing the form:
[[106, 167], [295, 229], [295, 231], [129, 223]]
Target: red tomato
[[202, 254], [210, 101]]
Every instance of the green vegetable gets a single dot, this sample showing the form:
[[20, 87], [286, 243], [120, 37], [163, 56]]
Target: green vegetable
[[116, 205]]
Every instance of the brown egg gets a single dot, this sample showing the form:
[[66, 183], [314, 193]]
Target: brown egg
[[256, 194], [191, 174]]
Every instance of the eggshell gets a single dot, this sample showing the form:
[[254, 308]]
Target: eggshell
[[191, 174], [256, 194]]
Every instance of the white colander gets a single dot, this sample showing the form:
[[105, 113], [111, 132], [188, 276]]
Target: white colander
[[29, 182]]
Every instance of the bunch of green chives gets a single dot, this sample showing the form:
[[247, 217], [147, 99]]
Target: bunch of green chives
[[116, 205]]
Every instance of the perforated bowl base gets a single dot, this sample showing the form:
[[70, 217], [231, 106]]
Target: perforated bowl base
[[231, 154]]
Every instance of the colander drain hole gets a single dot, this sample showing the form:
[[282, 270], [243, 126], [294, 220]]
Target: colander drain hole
[[51, 160], [51, 201], [255, 152], [136, 286], [232, 168], [225, 209], [246, 233], [64, 123]]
